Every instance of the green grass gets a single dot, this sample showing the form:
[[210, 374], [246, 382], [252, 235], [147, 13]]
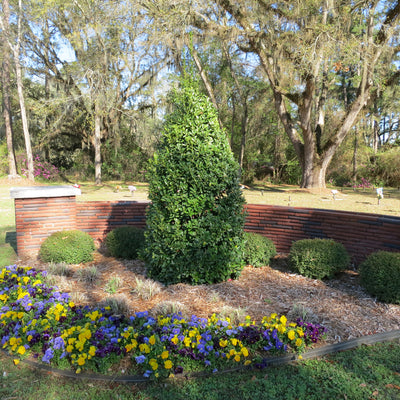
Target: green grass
[[8, 241], [364, 373], [347, 199]]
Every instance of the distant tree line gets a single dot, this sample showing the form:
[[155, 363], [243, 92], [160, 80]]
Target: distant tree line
[[306, 91]]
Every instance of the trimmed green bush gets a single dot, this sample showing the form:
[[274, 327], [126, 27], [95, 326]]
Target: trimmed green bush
[[380, 276], [195, 219], [318, 258], [258, 249], [71, 247], [125, 242]]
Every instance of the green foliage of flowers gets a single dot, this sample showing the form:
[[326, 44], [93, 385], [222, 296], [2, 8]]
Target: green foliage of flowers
[[71, 247], [258, 249], [41, 322], [195, 220], [125, 242], [318, 258], [380, 276], [113, 284]]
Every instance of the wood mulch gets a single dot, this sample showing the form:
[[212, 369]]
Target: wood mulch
[[339, 304]]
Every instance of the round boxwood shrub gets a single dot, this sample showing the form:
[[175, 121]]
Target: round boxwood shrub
[[195, 219], [318, 258], [380, 276], [258, 249], [72, 247], [125, 242]]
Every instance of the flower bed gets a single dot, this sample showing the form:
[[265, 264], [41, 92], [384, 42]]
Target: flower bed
[[39, 321]]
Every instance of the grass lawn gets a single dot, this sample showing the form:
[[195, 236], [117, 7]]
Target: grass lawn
[[369, 372]]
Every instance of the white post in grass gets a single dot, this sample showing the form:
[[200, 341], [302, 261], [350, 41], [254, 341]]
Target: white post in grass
[[379, 194], [132, 189]]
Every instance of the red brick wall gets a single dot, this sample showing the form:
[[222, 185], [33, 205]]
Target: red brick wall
[[360, 233], [37, 218], [99, 217]]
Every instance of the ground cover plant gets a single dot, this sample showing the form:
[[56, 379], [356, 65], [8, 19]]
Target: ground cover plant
[[44, 323], [72, 247], [318, 258], [380, 275], [125, 242], [258, 250]]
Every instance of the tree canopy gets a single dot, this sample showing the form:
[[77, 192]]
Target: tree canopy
[[294, 83]]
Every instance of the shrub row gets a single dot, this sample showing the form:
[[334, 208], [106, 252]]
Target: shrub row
[[313, 258], [72, 247], [323, 258]]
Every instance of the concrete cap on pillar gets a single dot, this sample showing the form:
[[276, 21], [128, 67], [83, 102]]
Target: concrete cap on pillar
[[31, 192]]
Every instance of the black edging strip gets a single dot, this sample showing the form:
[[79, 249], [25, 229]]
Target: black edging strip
[[270, 362]]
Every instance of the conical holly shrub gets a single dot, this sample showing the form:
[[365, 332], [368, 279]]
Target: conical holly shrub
[[195, 220]]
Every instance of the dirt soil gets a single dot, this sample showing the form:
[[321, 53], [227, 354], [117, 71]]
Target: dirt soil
[[339, 304]]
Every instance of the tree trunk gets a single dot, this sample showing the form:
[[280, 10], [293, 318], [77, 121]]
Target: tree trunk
[[24, 119], [375, 138], [206, 83], [313, 177], [97, 146], [355, 151], [20, 89], [233, 121], [244, 130], [12, 165]]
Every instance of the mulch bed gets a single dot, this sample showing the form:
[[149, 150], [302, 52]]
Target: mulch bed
[[339, 304]]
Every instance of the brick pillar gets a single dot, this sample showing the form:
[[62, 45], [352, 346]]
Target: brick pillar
[[41, 211]]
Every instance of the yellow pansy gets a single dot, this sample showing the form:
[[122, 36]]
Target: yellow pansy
[[92, 351], [175, 340], [143, 347], [81, 361], [165, 354], [153, 364], [3, 297], [126, 334], [291, 335], [152, 340]]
